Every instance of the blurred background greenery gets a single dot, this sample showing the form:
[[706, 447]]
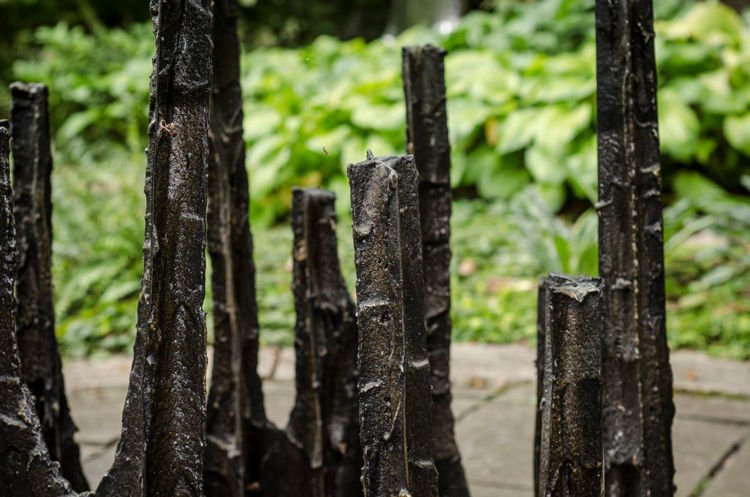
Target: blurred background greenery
[[322, 85]]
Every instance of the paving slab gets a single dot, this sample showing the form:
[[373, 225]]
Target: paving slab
[[494, 398], [496, 439], [698, 446], [98, 413], [279, 400], [96, 462], [715, 409], [496, 444], [695, 371], [733, 479], [493, 490], [489, 367]]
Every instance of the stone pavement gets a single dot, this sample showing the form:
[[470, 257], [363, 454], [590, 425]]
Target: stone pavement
[[494, 390]]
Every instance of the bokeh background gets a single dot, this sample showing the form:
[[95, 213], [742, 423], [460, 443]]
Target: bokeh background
[[322, 84]]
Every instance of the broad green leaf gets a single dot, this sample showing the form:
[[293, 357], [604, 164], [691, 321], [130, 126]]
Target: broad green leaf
[[379, 117], [552, 195], [563, 253], [558, 125], [678, 126], [519, 129], [737, 132], [582, 172], [709, 22], [331, 142], [260, 121], [544, 165], [695, 186]]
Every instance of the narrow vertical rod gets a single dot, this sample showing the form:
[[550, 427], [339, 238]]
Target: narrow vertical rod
[[427, 139], [236, 412], [324, 421], [570, 459], [26, 468], [164, 420], [35, 322], [394, 395], [638, 406]]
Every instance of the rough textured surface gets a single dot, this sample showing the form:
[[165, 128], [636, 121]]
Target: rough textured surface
[[324, 421], [236, 412], [163, 434], [570, 457], [35, 322], [26, 469], [427, 139], [638, 408], [541, 332], [395, 405]]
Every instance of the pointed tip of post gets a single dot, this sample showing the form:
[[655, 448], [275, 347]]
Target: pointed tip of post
[[370, 155]]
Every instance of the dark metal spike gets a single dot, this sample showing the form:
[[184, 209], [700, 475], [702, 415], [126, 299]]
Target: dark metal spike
[[638, 407], [236, 412], [427, 139], [570, 455], [395, 403], [163, 434], [41, 366]]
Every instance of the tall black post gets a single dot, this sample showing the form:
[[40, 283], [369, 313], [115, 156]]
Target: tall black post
[[427, 139], [324, 421], [41, 366], [26, 468], [236, 413], [638, 407], [570, 455], [394, 392], [163, 434]]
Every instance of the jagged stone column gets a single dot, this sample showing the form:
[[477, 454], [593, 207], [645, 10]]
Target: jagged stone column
[[236, 413], [570, 457], [394, 393], [26, 468], [638, 407], [163, 435], [41, 366], [427, 139], [324, 421]]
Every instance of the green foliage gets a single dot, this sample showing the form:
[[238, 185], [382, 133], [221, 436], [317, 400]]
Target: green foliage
[[521, 97]]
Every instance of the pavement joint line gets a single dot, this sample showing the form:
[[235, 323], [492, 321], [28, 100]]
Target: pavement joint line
[[714, 419], [102, 450], [714, 471], [482, 401], [711, 394]]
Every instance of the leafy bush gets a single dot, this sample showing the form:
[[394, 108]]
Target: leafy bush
[[521, 97]]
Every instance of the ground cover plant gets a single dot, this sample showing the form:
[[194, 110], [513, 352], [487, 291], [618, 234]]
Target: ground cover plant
[[521, 113]]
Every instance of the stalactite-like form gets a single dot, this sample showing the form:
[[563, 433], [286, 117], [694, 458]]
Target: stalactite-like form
[[163, 434], [236, 413], [394, 393], [638, 407], [35, 323], [427, 139], [570, 461], [324, 422], [26, 468]]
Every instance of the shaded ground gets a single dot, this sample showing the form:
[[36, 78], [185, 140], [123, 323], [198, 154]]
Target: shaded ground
[[494, 404]]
